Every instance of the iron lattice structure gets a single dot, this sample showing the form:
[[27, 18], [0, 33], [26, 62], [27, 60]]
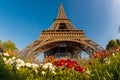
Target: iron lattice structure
[[61, 33]]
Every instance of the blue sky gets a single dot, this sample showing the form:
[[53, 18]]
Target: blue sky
[[22, 21]]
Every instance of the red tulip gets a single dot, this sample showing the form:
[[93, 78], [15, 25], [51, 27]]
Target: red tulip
[[62, 62], [77, 68], [75, 63], [82, 69], [90, 63], [68, 60], [69, 65], [57, 63]]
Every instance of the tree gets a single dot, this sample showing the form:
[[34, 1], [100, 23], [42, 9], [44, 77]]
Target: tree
[[1, 49], [118, 41], [9, 45], [112, 44]]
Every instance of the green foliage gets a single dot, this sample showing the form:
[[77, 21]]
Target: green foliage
[[9, 45], [4, 71], [118, 41], [1, 48], [108, 70], [112, 44]]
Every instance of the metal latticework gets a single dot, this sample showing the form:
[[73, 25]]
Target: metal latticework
[[61, 33]]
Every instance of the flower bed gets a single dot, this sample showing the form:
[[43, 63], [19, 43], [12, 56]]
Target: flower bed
[[99, 68]]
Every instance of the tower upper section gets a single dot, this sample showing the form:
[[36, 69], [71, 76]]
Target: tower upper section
[[62, 22]]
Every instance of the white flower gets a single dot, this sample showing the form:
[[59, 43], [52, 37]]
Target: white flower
[[36, 71], [9, 61], [55, 67], [28, 65], [34, 66], [17, 68], [108, 61], [20, 62], [41, 65], [45, 66], [51, 68], [87, 71], [105, 59], [4, 59], [113, 54], [43, 72], [53, 72], [13, 58], [6, 54], [49, 64]]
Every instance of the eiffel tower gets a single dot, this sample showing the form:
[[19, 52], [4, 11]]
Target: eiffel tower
[[62, 38]]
